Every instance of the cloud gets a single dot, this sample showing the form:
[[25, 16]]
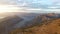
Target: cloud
[[31, 3], [33, 9], [53, 7], [38, 5]]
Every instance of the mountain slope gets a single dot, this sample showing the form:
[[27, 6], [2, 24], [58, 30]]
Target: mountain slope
[[39, 20], [53, 27], [6, 24]]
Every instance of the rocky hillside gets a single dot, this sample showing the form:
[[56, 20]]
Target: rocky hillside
[[43, 24], [49, 27], [38, 20]]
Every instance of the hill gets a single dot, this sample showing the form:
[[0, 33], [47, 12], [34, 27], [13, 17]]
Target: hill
[[53, 27], [40, 19], [12, 20], [43, 24], [30, 23], [6, 24]]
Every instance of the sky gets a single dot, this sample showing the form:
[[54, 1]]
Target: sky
[[38, 6]]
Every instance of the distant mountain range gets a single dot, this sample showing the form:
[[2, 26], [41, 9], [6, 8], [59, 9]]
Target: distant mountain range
[[11, 20], [41, 24], [40, 19], [22, 21]]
